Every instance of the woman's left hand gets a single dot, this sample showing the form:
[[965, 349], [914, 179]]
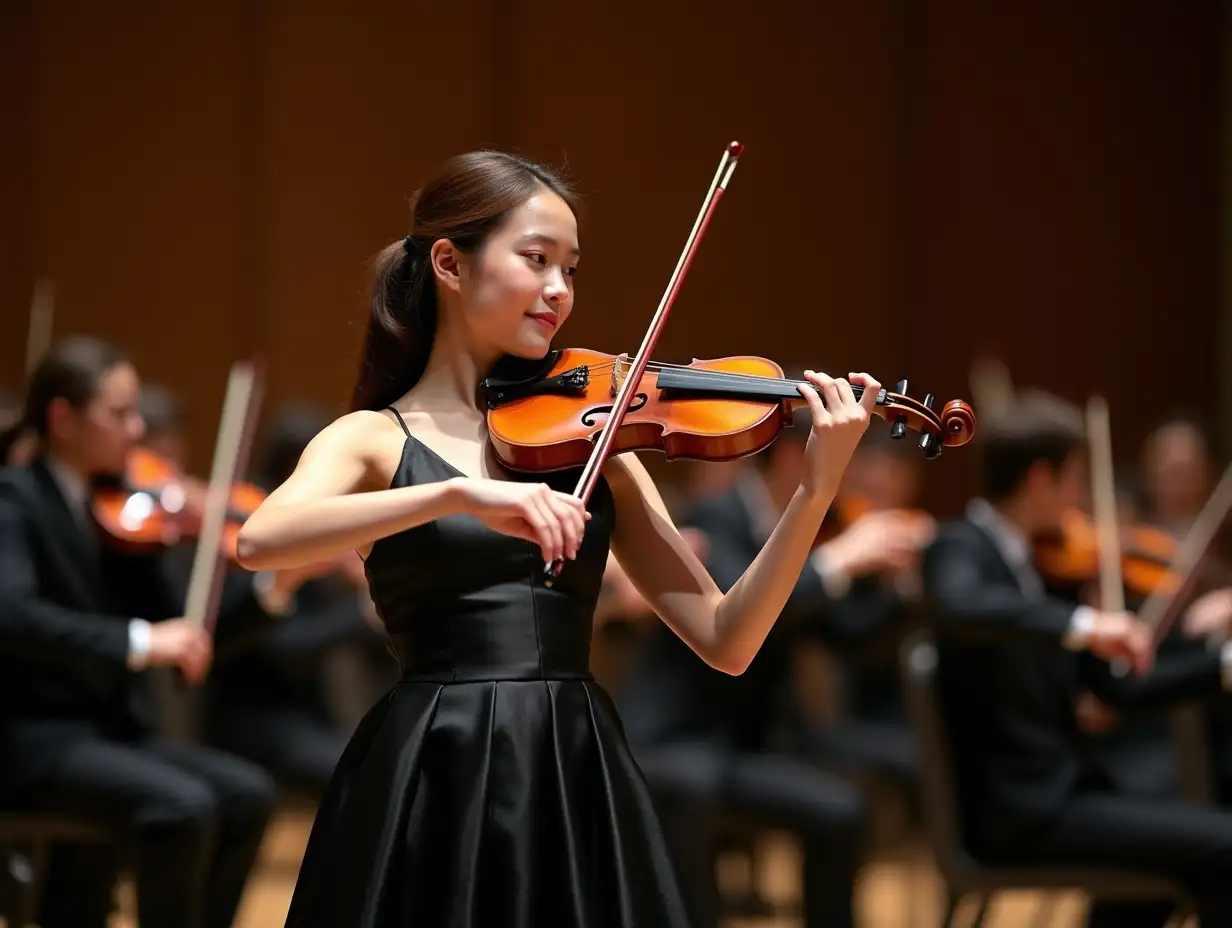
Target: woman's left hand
[[838, 424]]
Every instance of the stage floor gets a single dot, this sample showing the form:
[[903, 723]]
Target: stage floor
[[891, 892]]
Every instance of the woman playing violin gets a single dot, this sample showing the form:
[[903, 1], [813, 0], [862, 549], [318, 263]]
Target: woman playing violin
[[494, 785]]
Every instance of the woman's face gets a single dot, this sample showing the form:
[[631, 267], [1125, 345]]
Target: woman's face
[[516, 291], [1178, 473]]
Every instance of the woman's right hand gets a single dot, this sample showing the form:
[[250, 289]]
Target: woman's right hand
[[555, 521]]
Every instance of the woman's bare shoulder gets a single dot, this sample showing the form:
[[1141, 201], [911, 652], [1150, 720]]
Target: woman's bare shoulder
[[364, 441]]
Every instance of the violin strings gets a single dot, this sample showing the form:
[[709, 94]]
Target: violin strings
[[605, 366]]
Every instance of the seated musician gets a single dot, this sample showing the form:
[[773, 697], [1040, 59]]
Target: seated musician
[[704, 739], [80, 623], [865, 626], [1013, 661], [1177, 473], [267, 694]]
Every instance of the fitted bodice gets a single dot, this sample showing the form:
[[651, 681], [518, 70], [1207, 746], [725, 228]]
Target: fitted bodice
[[464, 602]]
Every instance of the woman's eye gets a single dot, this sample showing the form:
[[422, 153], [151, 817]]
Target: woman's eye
[[572, 272], [537, 258]]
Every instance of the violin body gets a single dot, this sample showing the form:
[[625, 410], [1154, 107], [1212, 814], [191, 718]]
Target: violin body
[[712, 410], [1070, 558], [144, 510], [149, 507]]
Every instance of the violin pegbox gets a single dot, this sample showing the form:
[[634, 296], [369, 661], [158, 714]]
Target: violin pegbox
[[952, 427]]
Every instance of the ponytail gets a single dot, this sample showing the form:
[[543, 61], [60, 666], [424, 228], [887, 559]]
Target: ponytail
[[401, 326], [468, 198]]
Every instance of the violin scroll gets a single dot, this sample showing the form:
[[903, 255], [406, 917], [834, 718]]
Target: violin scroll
[[953, 427]]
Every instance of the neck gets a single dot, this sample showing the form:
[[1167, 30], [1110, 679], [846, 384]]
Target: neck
[[456, 365]]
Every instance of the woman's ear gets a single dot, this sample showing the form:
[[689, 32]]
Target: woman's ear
[[446, 263]]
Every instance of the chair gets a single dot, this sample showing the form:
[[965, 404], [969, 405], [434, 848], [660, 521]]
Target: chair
[[25, 843], [964, 876]]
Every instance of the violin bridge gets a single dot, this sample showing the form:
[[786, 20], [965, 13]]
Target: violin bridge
[[620, 370]]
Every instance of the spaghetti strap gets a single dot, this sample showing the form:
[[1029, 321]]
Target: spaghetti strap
[[398, 416]]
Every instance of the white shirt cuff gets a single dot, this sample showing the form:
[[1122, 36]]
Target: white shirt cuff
[[835, 581], [1080, 625], [138, 644]]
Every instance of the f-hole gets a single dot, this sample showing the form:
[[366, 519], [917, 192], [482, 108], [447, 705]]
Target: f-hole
[[588, 417]]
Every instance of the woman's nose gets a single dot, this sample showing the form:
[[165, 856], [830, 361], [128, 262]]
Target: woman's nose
[[557, 288]]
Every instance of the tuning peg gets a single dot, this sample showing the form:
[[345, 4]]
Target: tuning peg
[[929, 445], [928, 400], [899, 428]]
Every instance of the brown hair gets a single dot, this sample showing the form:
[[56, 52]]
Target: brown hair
[[467, 199], [71, 370], [1034, 427]]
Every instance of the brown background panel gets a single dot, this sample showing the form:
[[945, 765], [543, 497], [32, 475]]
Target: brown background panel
[[1062, 205], [921, 179], [360, 103], [133, 149]]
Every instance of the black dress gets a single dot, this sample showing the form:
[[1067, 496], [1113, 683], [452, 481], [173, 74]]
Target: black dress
[[493, 785]]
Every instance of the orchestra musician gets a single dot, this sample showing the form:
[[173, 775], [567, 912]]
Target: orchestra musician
[[1177, 473], [1012, 662], [266, 696], [705, 739], [494, 785], [80, 623]]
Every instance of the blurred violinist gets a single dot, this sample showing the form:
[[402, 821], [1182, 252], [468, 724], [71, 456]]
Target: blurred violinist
[[267, 695], [81, 621], [1177, 471], [704, 738], [1012, 662], [864, 726]]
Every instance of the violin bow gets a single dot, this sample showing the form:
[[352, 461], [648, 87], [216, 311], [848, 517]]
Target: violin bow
[[603, 444], [1159, 610], [231, 448], [42, 320], [1103, 506]]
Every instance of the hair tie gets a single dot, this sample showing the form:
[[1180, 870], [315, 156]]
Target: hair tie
[[408, 245]]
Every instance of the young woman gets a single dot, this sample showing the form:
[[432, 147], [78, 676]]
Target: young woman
[[493, 785]]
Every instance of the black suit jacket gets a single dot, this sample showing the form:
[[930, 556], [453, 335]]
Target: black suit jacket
[[1008, 687], [281, 664], [65, 605], [671, 694]]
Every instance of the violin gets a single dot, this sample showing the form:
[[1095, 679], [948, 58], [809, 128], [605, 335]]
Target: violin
[[549, 418], [152, 505], [1070, 557], [578, 407]]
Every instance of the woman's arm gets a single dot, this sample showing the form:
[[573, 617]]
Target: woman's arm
[[319, 513], [726, 630]]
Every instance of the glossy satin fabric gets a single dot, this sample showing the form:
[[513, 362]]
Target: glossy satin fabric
[[493, 786]]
